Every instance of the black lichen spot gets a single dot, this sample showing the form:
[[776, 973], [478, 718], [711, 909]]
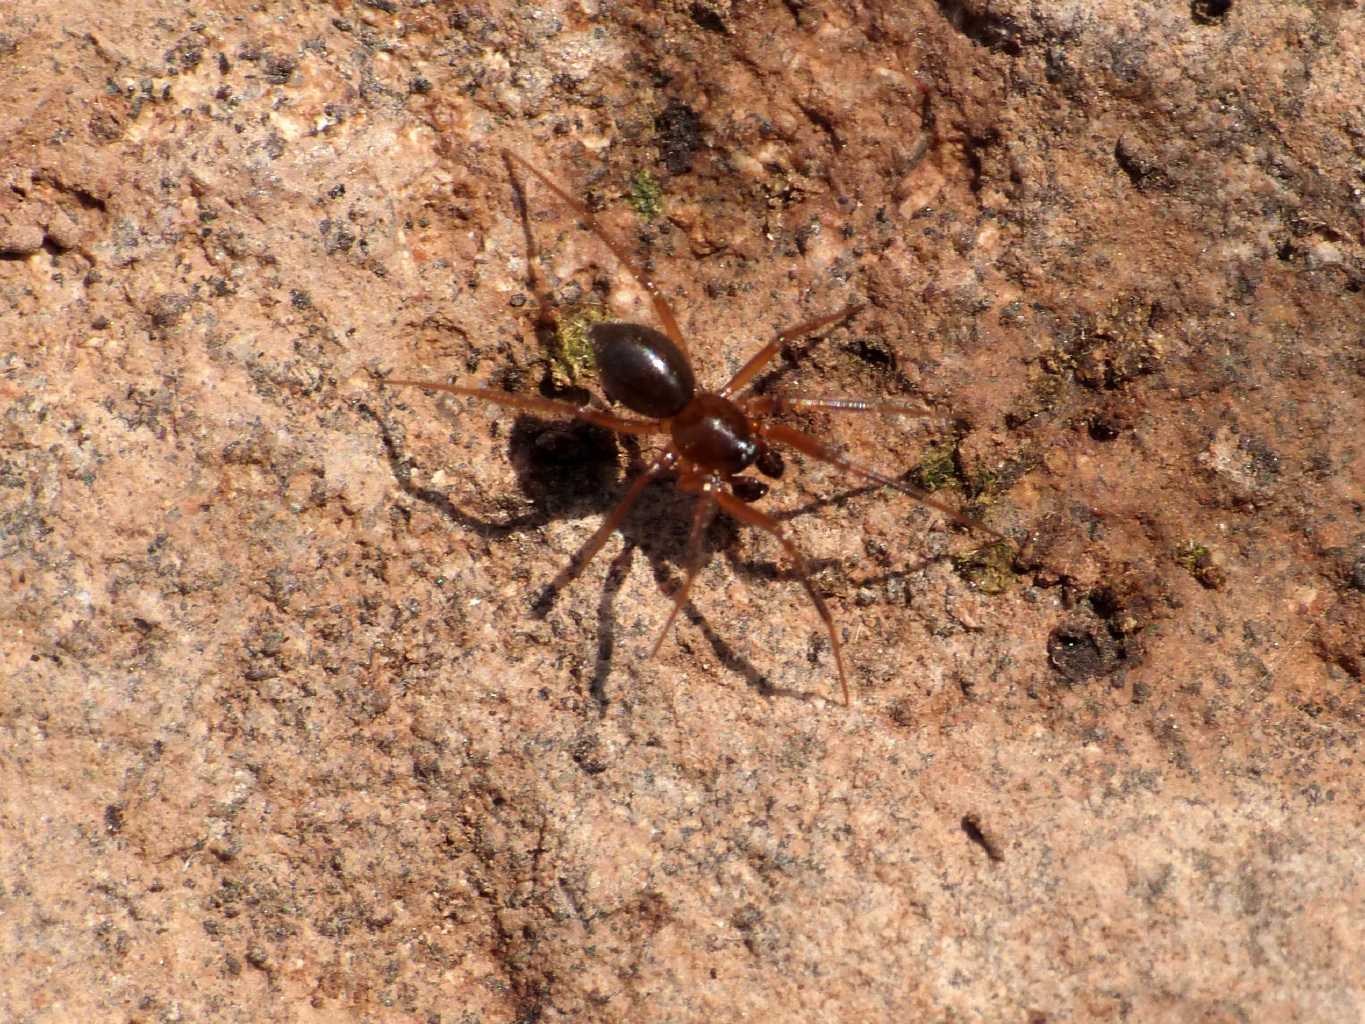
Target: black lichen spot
[[336, 236], [278, 70], [1264, 460], [1105, 426], [169, 308], [1080, 651], [987, 28], [707, 18], [902, 712], [258, 958], [1209, 12], [1140, 164], [588, 756], [185, 55], [873, 352], [678, 135], [1357, 576]]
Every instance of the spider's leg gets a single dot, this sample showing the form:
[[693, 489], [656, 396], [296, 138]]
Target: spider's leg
[[542, 405], [808, 445], [702, 513], [776, 405], [661, 307], [585, 554], [746, 514], [760, 359]]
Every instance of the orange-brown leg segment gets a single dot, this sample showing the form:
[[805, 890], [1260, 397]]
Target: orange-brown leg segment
[[752, 516], [760, 359], [585, 554], [702, 513], [547, 406], [808, 445], [776, 405], [661, 307]]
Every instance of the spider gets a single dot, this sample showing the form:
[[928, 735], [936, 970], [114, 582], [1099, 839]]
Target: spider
[[711, 437]]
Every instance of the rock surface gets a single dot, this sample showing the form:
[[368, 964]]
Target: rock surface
[[289, 730]]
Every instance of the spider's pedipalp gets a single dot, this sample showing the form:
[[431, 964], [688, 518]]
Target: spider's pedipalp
[[748, 489]]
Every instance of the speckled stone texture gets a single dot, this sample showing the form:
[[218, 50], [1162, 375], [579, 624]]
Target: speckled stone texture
[[290, 729]]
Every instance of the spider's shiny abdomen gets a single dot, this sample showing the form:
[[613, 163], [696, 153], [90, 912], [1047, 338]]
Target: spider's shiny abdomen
[[642, 369], [715, 434]]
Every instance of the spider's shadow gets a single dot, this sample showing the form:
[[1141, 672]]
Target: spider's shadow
[[575, 470], [658, 528]]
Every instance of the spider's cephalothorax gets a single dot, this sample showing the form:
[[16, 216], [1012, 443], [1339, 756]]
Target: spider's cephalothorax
[[712, 436], [714, 433]]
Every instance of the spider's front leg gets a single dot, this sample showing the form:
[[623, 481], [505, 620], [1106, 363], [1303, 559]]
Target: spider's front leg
[[780, 433]]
